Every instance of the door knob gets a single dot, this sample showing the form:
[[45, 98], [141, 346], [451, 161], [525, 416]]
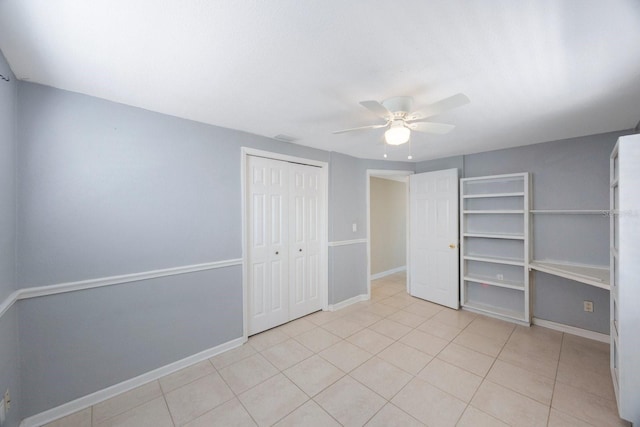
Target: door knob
[[299, 250], [276, 252], [453, 245]]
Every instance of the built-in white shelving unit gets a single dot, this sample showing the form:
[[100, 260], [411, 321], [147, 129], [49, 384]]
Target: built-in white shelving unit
[[624, 258], [573, 269], [494, 219]]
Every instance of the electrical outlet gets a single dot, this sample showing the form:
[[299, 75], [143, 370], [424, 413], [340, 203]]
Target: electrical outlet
[[354, 227], [588, 306], [500, 276]]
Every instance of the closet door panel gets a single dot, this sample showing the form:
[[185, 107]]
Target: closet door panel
[[268, 248], [305, 194]]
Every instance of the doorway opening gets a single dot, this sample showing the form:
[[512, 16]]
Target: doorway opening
[[387, 230]]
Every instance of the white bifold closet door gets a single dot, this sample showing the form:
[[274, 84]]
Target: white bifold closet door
[[284, 242]]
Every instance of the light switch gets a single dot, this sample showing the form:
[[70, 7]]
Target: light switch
[[354, 227]]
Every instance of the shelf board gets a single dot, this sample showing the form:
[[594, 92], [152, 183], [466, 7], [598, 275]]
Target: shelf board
[[505, 211], [495, 236], [486, 308], [495, 260], [589, 274], [493, 178], [518, 286], [570, 211], [478, 196]]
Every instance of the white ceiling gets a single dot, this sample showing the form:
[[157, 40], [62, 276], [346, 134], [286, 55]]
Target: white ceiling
[[535, 70]]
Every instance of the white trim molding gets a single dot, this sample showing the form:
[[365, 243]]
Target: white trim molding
[[8, 302], [114, 390], [40, 291], [585, 333], [348, 302], [347, 242], [388, 272]]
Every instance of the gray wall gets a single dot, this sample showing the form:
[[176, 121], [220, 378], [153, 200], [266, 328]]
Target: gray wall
[[560, 300], [456, 162], [105, 189], [76, 343], [9, 341], [348, 205], [8, 119], [10, 365], [566, 174]]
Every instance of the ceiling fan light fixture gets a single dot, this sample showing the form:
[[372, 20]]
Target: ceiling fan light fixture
[[397, 134]]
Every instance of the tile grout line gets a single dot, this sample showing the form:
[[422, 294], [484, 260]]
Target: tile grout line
[[166, 404], [234, 394], [518, 392], [133, 407], [556, 382], [555, 378], [297, 407], [484, 378], [388, 401], [191, 382]]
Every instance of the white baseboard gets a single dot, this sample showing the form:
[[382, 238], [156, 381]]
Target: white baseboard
[[495, 316], [348, 302], [388, 272], [585, 333], [109, 392]]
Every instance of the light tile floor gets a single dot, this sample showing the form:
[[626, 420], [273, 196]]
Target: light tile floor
[[392, 361]]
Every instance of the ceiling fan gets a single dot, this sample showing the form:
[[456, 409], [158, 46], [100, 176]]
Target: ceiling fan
[[401, 121]]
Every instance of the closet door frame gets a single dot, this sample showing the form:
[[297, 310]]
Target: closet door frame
[[245, 152]]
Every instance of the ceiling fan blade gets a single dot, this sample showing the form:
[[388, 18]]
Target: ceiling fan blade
[[361, 128], [441, 106], [429, 127], [378, 109]]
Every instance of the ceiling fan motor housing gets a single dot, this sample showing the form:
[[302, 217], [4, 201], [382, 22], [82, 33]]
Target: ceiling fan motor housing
[[400, 106]]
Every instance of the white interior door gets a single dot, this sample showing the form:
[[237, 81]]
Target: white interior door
[[268, 244], [305, 201], [434, 236]]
